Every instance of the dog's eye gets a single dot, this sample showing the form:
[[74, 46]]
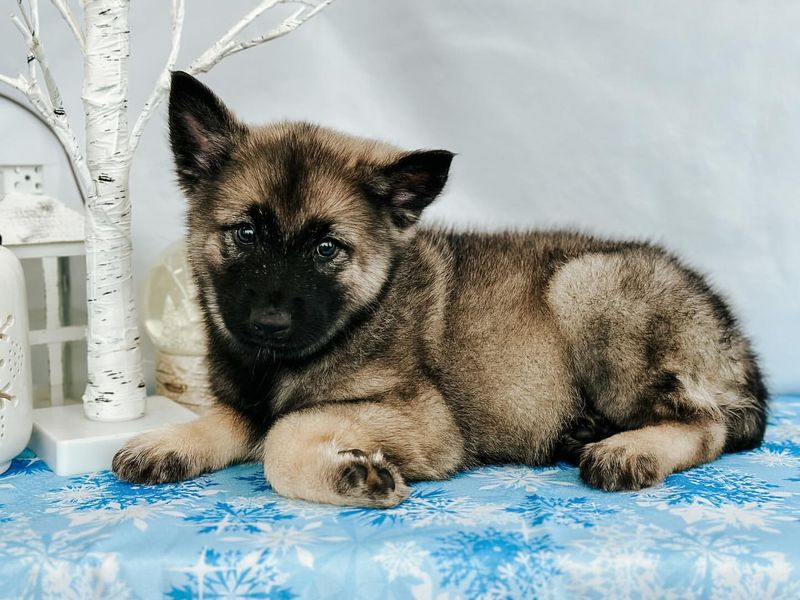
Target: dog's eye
[[327, 249], [245, 234]]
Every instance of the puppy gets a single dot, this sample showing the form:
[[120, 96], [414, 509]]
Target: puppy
[[353, 351]]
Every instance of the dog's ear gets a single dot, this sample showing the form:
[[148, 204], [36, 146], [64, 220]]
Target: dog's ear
[[202, 131], [410, 184]]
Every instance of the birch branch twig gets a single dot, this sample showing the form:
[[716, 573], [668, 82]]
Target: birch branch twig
[[50, 107], [219, 46], [162, 84], [18, 83], [72, 22], [227, 44], [222, 48]]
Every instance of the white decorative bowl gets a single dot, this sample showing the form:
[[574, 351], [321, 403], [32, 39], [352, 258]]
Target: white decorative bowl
[[16, 399]]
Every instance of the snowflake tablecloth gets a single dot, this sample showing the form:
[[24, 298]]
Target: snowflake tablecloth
[[727, 530]]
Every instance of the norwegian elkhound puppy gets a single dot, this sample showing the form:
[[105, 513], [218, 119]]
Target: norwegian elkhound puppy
[[352, 350]]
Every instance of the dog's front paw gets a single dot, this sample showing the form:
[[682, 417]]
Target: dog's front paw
[[363, 479], [613, 467], [150, 460]]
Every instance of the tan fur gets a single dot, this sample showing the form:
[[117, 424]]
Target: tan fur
[[253, 183], [448, 349], [213, 441], [644, 457], [305, 452]]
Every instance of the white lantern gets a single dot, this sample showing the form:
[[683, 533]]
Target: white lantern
[[16, 399], [174, 323], [37, 227]]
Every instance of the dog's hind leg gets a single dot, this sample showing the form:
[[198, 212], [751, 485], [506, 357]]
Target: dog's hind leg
[[659, 356], [639, 458], [180, 452]]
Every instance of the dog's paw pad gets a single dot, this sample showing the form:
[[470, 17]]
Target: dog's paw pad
[[369, 479], [140, 463], [616, 468]]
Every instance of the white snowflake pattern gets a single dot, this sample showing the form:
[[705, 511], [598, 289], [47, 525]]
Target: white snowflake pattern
[[660, 496], [712, 484], [435, 507], [101, 500], [720, 517], [38, 556], [567, 512], [527, 577], [402, 559], [231, 575], [529, 479], [283, 538], [290, 506], [784, 431], [96, 576], [773, 578], [472, 561], [309, 511], [237, 514], [82, 493], [774, 457], [24, 466], [97, 491], [644, 560], [138, 514], [703, 552], [612, 557]]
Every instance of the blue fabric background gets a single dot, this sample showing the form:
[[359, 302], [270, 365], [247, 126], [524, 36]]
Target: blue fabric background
[[725, 530]]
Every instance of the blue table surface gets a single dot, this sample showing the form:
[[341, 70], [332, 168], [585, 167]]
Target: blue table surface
[[729, 530]]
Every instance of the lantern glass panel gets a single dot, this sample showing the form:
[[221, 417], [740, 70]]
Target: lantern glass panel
[[74, 370], [71, 312], [34, 282]]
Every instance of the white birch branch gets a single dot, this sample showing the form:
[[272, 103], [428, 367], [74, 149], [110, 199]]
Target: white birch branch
[[37, 56], [222, 48], [219, 46], [18, 83], [50, 107], [227, 44], [162, 84], [24, 30], [72, 22], [25, 15], [64, 134]]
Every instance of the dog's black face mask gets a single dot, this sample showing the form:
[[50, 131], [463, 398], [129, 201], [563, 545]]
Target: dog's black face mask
[[293, 228], [277, 293]]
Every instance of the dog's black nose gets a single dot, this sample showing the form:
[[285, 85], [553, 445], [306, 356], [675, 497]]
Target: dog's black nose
[[271, 322]]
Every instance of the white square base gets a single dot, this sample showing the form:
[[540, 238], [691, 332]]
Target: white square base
[[71, 444]]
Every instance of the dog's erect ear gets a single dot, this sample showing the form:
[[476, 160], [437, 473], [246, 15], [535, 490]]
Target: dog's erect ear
[[202, 131], [411, 183]]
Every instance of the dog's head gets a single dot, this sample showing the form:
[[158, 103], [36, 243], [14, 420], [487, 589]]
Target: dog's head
[[293, 228]]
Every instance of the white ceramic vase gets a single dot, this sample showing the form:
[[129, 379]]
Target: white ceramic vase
[[16, 399]]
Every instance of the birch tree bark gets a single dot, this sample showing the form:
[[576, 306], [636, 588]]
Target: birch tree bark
[[116, 389]]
